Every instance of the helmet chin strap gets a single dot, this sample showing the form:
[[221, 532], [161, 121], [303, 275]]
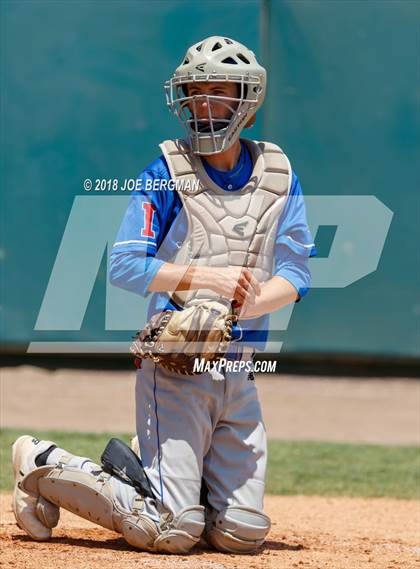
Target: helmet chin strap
[[251, 121]]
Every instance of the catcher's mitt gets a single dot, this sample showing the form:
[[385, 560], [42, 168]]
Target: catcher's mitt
[[174, 338]]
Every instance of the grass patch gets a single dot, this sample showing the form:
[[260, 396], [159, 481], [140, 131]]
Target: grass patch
[[340, 469], [309, 468]]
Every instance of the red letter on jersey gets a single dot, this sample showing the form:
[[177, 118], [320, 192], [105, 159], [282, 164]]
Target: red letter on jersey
[[149, 212]]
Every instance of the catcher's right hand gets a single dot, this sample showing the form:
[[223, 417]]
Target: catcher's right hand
[[237, 283]]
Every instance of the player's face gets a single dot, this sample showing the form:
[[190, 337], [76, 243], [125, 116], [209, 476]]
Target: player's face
[[219, 109]]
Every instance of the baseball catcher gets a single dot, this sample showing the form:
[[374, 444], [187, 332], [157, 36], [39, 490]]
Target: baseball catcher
[[218, 233]]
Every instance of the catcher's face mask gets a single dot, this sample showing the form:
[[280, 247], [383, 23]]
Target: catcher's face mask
[[210, 105], [215, 93]]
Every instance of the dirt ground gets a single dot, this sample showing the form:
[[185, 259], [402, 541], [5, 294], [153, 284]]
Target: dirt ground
[[307, 532]]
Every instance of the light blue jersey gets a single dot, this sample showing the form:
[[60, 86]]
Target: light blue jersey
[[148, 237]]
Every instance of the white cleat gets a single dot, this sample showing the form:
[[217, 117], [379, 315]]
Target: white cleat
[[33, 514]]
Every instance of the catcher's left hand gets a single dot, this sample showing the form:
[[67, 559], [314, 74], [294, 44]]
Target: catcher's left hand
[[174, 338]]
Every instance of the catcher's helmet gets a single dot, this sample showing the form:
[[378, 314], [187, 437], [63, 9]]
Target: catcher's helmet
[[216, 59]]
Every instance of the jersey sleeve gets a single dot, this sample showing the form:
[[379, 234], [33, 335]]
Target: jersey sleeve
[[294, 243], [133, 263]]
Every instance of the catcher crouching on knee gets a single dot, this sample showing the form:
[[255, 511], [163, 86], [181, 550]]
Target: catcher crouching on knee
[[229, 245]]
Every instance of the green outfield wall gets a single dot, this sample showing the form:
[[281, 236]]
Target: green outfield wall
[[82, 97]]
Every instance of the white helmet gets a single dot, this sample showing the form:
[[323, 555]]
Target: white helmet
[[216, 59]]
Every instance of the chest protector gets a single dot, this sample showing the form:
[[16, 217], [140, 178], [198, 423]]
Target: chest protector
[[229, 228]]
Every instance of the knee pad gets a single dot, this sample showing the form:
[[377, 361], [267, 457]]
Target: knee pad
[[237, 529], [175, 535], [90, 496], [182, 532]]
